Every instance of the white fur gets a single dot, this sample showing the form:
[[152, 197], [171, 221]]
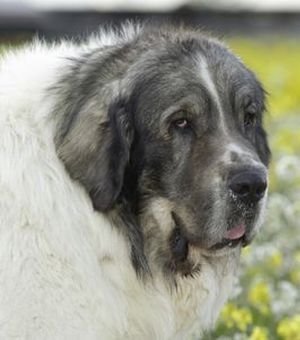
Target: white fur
[[65, 271], [211, 88]]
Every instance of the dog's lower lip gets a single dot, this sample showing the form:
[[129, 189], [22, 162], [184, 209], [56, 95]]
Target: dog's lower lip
[[232, 237], [228, 243]]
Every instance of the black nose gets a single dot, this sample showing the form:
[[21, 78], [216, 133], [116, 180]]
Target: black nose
[[248, 186]]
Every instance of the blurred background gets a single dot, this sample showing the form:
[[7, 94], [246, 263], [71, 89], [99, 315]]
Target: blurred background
[[266, 35], [54, 18]]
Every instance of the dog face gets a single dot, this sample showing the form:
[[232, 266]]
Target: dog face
[[200, 146], [182, 148]]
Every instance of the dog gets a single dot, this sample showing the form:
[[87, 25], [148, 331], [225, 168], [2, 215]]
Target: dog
[[133, 169]]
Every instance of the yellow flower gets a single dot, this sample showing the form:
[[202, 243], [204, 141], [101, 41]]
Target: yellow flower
[[289, 328], [246, 251], [259, 296], [295, 276], [275, 260], [259, 333], [297, 256], [242, 318], [234, 317], [226, 314]]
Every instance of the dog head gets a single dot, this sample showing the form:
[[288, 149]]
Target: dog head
[[170, 126]]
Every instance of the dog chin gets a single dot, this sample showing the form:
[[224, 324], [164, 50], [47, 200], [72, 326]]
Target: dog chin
[[232, 241], [229, 245]]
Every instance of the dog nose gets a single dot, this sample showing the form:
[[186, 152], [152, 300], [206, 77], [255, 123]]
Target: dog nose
[[248, 186]]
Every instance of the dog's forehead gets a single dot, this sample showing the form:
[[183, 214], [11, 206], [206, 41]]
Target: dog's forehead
[[207, 81], [182, 66], [228, 74], [207, 70]]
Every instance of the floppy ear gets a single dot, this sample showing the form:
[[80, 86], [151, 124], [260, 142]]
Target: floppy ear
[[96, 154]]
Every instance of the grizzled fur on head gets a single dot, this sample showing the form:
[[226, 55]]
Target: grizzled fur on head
[[156, 127]]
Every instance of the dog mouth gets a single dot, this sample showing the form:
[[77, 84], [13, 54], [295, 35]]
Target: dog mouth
[[233, 237], [230, 243], [181, 243]]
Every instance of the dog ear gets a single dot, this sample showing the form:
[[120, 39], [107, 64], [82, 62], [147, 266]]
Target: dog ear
[[96, 154], [106, 179]]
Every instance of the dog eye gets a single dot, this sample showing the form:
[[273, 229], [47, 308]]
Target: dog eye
[[249, 119], [181, 123], [250, 116]]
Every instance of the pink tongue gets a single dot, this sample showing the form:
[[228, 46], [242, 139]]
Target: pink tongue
[[236, 232]]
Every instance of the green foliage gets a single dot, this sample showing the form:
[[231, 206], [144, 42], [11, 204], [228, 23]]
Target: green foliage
[[277, 64]]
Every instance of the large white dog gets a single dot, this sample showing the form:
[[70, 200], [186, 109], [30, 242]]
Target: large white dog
[[132, 170]]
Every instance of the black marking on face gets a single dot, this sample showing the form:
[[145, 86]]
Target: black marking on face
[[179, 246], [123, 216]]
